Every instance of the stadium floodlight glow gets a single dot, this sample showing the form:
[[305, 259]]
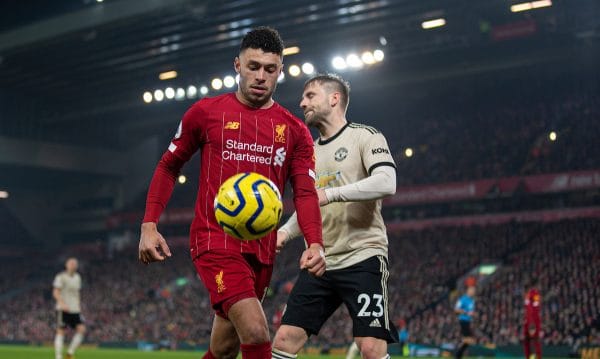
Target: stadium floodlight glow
[[281, 77], [368, 58], [521, 7], [99, 0], [382, 40], [181, 179], [308, 68], [552, 136], [541, 3], [216, 84], [147, 97], [159, 95], [192, 91], [354, 61], [378, 55], [408, 152], [339, 63], [292, 50], [294, 70], [530, 5], [229, 81], [3, 194], [203, 90], [167, 75], [179, 94], [169, 93], [430, 24]]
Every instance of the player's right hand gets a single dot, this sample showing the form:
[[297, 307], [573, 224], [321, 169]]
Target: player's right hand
[[64, 308], [153, 247]]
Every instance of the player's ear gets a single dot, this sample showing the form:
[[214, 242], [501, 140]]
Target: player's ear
[[334, 99], [237, 65]]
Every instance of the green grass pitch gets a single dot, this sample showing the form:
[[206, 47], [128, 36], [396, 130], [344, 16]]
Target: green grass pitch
[[30, 352]]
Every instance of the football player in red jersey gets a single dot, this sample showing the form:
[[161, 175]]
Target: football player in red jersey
[[532, 325], [245, 131]]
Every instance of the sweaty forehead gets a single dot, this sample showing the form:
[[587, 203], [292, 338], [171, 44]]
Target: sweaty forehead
[[259, 56]]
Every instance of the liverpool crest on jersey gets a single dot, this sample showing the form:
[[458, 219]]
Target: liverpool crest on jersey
[[280, 133]]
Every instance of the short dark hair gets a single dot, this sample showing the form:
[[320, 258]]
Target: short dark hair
[[264, 38], [336, 83]]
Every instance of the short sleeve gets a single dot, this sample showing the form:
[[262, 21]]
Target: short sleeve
[[57, 282], [375, 151]]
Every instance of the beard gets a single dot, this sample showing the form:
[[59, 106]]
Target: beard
[[257, 100], [315, 118]]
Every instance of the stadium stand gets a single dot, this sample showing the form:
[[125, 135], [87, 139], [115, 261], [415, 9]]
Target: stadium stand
[[125, 302], [76, 136]]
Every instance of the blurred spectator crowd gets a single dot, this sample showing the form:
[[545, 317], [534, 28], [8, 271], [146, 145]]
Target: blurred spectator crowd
[[126, 301]]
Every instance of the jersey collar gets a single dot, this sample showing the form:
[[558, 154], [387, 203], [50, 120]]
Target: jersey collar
[[324, 142]]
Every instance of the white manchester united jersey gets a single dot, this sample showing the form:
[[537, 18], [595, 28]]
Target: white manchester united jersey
[[352, 231]]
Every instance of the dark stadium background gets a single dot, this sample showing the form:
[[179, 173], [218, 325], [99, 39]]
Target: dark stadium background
[[500, 109]]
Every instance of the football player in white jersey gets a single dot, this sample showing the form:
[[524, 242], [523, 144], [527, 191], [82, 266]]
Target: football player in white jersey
[[355, 170], [66, 292]]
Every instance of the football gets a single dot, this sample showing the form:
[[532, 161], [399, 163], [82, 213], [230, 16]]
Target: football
[[248, 206]]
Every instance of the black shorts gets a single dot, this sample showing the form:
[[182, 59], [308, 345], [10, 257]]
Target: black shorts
[[465, 328], [363, 287], [70, 320]]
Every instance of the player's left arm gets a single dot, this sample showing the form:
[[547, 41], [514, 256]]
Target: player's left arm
[[302, 174], [379, 184], [381, 180]]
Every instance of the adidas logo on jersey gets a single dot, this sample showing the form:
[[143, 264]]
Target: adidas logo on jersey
[[375, 323]]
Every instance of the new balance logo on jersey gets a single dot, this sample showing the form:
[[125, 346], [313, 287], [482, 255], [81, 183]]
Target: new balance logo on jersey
[[375, 323], [280, 156], [232, 125]]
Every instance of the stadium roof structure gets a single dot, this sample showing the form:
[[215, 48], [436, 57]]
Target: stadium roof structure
[[75, 62], [72, 73]]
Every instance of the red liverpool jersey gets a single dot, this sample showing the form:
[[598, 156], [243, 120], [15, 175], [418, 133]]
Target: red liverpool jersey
[[236, 138], [532, 306]]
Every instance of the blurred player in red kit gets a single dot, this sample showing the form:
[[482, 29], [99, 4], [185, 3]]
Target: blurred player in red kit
[[245, 131], [532, 326]]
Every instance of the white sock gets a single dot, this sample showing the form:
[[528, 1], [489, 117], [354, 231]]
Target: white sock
[[59, 341], [387, 356], [352, 351], [77, 339], [280, 354]]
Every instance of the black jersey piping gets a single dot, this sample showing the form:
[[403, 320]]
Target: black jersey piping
[[324, 142], [379, 164]]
